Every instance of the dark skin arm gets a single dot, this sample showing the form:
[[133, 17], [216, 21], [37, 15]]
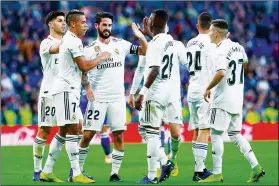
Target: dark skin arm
[[150, 79], [54, 49]]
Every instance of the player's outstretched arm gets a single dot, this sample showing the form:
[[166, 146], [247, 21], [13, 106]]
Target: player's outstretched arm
[[143, 42], [86, 65]]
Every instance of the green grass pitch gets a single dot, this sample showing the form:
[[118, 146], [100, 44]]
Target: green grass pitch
[[17, 165]]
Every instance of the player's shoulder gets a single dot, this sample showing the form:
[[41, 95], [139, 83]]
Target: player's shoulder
[[117, 40], [47, 41]]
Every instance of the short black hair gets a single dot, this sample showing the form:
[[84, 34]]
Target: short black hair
[[220, 23], [71, 15], [100, 15], [161, 18], [53, 15], [204, 20]]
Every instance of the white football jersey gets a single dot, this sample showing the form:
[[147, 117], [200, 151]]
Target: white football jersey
[[228, 94], [49, 66], [69, 76], [107, 78], [178, 57], [159, 53], [199, 62]]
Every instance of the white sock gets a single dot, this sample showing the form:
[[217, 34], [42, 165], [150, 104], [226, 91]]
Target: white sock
[[117, 157], [162, 156], [55, 148], [73, 153], [217, 153], [200, 155], [194, 153], [153, 148], [38, 153], [79, 137], [82, 156], [245, 148]]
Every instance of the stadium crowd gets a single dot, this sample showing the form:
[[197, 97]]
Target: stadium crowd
[[253, 24]]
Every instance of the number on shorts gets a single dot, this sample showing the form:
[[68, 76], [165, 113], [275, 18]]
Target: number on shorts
[[47, 110], [74, 109], [96, 114], [52, 111]]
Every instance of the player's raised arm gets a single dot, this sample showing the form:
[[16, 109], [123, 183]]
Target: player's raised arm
[[143, 42], [145, 30]]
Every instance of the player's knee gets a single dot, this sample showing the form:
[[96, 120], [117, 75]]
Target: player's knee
[[234, 135], [175, 135], [43, 132], [118, 136], [87, 136]]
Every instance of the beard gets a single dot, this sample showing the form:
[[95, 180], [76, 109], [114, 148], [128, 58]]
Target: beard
[[102, 35]]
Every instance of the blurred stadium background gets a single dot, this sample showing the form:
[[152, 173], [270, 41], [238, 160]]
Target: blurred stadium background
[[253, 24]]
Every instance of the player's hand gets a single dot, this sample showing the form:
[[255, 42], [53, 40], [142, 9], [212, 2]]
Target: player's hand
[[89, 93], [138, 104], [145, 30], [105, 55], [131, 100], [136, 31], [206, 95]]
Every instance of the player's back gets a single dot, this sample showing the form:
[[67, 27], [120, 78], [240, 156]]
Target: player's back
[[160, 51], [178, 56], [49, 66], [107, 78], [228, 94], [198, 51], [69, 77]]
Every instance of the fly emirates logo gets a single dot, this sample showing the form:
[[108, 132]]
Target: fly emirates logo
[[109, 64]]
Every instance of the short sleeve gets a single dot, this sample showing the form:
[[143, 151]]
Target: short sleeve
[[153, 57], [76, 48], [220, 62], [126, 46], [45, 46]]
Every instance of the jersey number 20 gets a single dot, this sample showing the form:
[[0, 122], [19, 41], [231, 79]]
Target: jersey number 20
[[168, 66]]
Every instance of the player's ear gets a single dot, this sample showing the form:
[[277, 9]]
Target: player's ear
[[198, 26], [96, 26]]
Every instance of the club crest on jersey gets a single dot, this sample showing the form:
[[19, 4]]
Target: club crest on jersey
[[80, 47], [89, 123], [116, 51], [97, 49], [74, 117]]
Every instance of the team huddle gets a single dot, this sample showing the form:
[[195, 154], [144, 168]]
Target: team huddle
[[215, 94]]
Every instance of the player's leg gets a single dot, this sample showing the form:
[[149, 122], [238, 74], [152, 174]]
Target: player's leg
[[45, 122], [201, 143], [175, 123], [219, 122], [116, 114], [94, 118], [105, 142], [244, 146], [57, 142], [194, 125], [150, 121]]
